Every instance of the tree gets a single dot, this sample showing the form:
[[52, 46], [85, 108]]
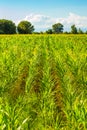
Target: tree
[[49, 31], [41, 32], [80, 31], [66, 32], [73, 29], [57, 28], [86, 32], [7, 27], [25, 27]]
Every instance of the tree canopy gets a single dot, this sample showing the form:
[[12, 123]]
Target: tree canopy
[[25, 27], [80, 31], [74, 29], [7, 27], [57, 28], [49, 31]]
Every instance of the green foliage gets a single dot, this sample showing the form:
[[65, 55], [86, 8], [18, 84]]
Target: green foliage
[[43, 82], [80, 31], [49, 31], [65, 32], [73, 29], [25, 27], [57, 28], [7, 27]]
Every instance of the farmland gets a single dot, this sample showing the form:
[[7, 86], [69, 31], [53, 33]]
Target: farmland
[[43, 82]]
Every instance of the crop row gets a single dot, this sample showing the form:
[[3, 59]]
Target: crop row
[[43, 82]]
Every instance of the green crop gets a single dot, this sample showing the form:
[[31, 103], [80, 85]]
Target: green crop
[[43, 82]]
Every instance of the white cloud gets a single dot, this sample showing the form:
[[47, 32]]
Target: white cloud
[[40, 21], [43, 22], [79, 21], [36, 18]]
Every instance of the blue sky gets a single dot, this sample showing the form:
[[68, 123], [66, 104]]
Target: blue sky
[[44, 13]]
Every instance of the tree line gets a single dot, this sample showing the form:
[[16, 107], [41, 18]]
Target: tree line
[[25, 27]]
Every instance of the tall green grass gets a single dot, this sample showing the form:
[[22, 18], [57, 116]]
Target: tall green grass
[[43, 82]]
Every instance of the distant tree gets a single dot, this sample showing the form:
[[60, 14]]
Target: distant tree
[[7, 27], [57, 28], [85, 32], [41, 32], [36, 32], [25, 27], [74, 29], [80, 31], [2, 32], [66, 32], [49, 31]]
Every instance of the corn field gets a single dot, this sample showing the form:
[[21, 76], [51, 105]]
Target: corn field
[[43, 82]]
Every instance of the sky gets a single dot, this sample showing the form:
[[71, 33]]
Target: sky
[[44, 13]]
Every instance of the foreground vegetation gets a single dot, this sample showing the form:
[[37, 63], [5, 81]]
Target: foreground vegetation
[[43, 82]]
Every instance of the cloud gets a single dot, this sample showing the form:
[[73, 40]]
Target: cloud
[[79, 21], [36, 18], [43, 22], [40, 21]]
